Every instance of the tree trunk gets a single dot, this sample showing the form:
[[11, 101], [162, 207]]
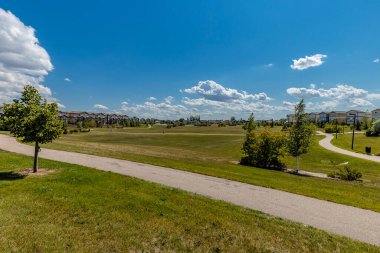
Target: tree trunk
[[36, 150], [297, 163]]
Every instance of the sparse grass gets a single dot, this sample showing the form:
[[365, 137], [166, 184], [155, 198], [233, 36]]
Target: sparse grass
[[360, 142], [78, 209], [217, 155]]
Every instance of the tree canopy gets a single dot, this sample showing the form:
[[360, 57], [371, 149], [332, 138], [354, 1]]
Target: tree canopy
[[32, 119], [300, 133]]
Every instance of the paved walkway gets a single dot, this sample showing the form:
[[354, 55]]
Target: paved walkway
[[356, 223], [326, 143]]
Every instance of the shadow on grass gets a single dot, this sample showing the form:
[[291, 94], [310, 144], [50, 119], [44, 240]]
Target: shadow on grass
[[10, 175]]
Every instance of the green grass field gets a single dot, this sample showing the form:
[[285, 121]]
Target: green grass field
[[78, 209], [218, 155], [360, 142]]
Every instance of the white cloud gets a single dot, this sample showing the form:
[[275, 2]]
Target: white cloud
[[152, 99], [341, 91], [169, 99], [211, 90], [269, 65], [289, 105], [155, 110], [376, 60], [67, 79], [61, 106], [101, 107], [209, 99], [374, 96], [321, 106], [308, 62], [22, 59], [351, 96], [200, 106], [360, 102]]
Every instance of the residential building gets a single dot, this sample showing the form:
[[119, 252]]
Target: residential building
[[313, 116], [338, 116], [368, 116], [102, 118], [375, 114], [324, 117], [355, 114], [291, 118]]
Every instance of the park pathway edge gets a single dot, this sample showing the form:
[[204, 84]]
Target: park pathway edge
[[352, 222], [326, 143]]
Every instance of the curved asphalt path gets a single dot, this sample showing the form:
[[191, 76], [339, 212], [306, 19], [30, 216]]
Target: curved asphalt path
[[356, 223], [326, 143]]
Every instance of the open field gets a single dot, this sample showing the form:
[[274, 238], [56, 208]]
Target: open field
[[217, 155], [78, 209], [361, 141]]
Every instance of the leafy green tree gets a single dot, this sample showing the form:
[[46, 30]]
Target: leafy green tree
[[375, 129], [365, 123], [33, 119], [264, 149], [300, 134], [65, 127], [250, 125]]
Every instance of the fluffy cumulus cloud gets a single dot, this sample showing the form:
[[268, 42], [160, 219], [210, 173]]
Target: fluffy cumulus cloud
[[169, 99], [208, 99], [211, 90], [22, 59], [163, 110], [374, 96], [100, 107], [308, 62], [67, 79], [342, 93], [377, 60], [61, 106]]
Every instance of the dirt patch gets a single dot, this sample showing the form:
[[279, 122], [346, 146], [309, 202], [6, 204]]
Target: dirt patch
[[40, 172]]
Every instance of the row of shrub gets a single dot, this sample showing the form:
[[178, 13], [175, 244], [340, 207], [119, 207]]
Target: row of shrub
[[76, 130], [332, 128]]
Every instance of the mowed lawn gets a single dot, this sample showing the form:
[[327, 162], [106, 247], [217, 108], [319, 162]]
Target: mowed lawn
[[191, 149], [360, 142], [79, 209]]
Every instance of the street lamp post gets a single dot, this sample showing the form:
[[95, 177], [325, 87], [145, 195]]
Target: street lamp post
[[353, 133]]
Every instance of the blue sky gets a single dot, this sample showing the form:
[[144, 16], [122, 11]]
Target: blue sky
[[170, 59]]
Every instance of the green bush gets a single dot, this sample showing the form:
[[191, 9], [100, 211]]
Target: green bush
[[263, 150], [332, 128], [374, 130], [346, 173]]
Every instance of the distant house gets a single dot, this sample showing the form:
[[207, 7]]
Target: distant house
[[100, 118], [338, 116], [291, 118], [355, 114], [375, 114], [313, 116], [324, 117]]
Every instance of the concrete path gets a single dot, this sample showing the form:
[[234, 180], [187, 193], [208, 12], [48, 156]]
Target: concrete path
[[326, 143], [356, 223]]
